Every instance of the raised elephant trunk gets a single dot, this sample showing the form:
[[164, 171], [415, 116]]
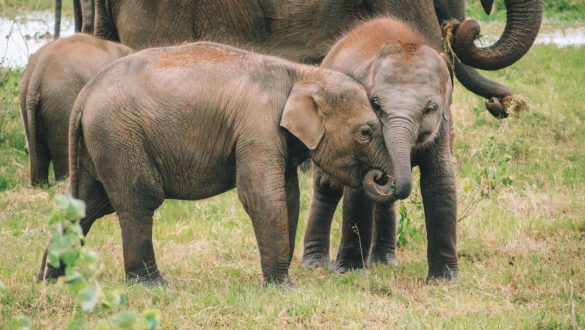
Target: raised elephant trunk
[[522, 25]]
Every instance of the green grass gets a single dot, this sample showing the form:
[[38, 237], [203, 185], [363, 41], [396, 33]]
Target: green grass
[[519, 249], [554, 10], [11, 8]]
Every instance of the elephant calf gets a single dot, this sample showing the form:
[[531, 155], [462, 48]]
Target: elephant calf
[[193, 121], [410, 86], [52, 80]]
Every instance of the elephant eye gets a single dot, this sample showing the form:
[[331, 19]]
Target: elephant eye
[[366, 132], [430, 107], [376, 104]]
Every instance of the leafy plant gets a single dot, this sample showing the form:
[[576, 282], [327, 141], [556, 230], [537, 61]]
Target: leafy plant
[[66, 247], [408, 230]]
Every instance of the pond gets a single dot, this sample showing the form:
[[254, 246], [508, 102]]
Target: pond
[[22, 36]]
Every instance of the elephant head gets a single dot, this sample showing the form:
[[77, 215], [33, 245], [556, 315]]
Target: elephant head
[[523, 18], [334, 119], [410, 87]]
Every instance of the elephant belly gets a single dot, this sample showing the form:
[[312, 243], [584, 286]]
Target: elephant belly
[[199, 182]]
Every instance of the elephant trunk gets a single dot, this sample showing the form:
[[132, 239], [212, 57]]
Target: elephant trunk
[[396, 180], [523, 18], [378, 184]]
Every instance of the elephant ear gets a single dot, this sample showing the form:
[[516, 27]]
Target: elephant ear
[[450, 62], [303, 113]]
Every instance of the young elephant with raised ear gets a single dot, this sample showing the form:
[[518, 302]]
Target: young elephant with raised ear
[[52, 80], [193, 121], [409, 85]]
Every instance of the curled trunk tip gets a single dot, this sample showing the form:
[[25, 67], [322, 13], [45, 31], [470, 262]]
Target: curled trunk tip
[[379, 187]]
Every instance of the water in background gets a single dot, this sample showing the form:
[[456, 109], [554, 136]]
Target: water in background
[[24, 35]]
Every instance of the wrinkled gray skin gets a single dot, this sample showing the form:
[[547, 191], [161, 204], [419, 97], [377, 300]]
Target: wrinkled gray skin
[[193, 121], [304, 30], [410, 85], [53, 78], [83, 15]]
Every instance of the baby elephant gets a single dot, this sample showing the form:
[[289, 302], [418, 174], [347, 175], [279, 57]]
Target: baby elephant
[[410, 86], [52, 80], [193, 121]]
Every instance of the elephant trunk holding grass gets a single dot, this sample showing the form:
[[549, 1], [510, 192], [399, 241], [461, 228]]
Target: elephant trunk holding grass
[[303, 31], [53, 78], [410, 87], [522, 25], [193, 121]]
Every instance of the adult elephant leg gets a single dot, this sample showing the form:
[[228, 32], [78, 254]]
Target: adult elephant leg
[[356, 235], [326, 196], [437, 183], [77, 15], [384, 240], [88, 14], [40, 158], [97, 205]]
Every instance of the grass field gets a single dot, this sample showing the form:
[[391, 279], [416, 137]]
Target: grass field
[[521, 186], [521, 248]]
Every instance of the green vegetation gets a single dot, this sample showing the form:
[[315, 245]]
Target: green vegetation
[[521, 234], [554, 10], [11, 8]]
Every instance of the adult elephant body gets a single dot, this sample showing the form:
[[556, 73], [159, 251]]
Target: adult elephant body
[[304, 31]]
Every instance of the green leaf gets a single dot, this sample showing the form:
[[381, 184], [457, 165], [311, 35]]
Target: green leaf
[[151, 318], [507, 181], [20, 322], [89, 297], [124, 319], [88, 255], [114, 298], [2, 286], [77, 322], [69, 257], [102, 325]]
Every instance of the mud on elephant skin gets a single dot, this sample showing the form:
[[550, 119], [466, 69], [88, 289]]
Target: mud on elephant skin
[[304, 30], [410, 87], [53, 78], [193, 121]]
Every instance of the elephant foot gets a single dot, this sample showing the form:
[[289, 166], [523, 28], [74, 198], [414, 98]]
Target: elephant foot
[[49, 273], [281, 282], [316, 261], [384, 259], [445, 273], [151, 279], [344, 266]]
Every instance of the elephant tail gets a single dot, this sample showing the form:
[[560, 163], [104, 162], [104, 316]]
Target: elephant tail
[[31, 113], [75, 132]]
